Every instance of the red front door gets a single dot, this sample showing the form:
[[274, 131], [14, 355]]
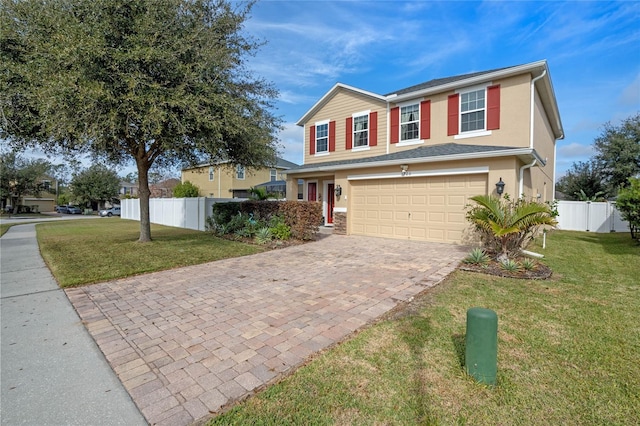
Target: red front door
[[330, 201], [312, 192]]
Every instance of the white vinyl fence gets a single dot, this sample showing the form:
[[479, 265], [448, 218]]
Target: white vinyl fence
[[590, 216], [190, 213]]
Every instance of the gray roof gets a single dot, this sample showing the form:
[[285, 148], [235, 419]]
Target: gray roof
[[284, 164], [416, 153], [441, 81]]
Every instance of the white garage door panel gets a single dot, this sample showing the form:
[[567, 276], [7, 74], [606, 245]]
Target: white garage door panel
[[420, 208]]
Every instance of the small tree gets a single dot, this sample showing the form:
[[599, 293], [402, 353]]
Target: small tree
[[628, 203], [186, 190], [506, 226], [95, 185]]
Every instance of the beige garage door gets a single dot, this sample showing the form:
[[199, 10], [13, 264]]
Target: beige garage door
[[416, 208]]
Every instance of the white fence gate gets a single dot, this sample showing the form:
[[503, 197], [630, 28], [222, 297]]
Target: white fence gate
[[590, 216], [190, 213]]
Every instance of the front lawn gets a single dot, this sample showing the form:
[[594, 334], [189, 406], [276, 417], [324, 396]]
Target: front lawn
[[87, 251], [568, 352]]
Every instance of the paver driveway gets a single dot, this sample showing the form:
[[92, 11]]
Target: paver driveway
[[188, 341]]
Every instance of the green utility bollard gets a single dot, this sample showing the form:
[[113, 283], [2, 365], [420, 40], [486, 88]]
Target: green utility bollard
[[481, 353]]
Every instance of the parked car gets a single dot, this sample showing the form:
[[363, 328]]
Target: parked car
[[74, 210], [62, 209], [113, 211]]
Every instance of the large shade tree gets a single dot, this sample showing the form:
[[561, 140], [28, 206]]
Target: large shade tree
[[618, 152], [156, 82]]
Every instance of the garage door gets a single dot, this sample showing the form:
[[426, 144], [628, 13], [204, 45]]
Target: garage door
[[416, 208]]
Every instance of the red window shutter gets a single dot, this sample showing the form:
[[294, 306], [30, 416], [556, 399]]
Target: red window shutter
[[395, 125], [493, 107], [452, 115], [425, 119], [373, 128], [349, 133], [312, 140], [332, 136]]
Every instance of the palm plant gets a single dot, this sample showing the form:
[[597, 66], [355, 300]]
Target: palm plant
[[260, 193], [507, 225]]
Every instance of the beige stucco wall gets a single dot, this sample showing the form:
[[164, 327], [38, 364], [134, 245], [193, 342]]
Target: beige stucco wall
[[542, 178], [341, 106], [225, 180], [515, 112]]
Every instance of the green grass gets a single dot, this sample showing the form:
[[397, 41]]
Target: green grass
[[88, 251], [568, 352], [4, 227]]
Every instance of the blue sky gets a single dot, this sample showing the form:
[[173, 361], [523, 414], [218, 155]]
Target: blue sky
[[592, 48]]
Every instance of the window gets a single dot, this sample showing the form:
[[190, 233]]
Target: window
[[322, 137], [240, 172], [211, 173], [361, 130], [472, 111], [46, 185], [409, 119], [274, 175]]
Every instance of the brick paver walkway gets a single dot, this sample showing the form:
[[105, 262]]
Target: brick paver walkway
[[188, 341]]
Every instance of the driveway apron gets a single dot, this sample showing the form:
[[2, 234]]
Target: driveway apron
[[52, 372], [187, 342]]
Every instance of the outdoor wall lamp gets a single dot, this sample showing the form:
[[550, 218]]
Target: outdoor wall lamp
[[338, 190], [500, 187], [404, 168]]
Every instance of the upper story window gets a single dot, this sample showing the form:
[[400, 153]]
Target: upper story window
[[274, 175], [409, 122], [211, 173], [46, 185], [322, 137], [361, 130], [240, 172], [472, 110]]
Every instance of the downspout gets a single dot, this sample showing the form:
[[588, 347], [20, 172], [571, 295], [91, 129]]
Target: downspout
[[521, 185], [531, 121], [533, 103]]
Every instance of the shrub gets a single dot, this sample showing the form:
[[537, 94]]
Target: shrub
[[510, 265], [628, 203], [529, 264], [279, 229], [263, 236], [186, 190], [477, 257], [300, 218]]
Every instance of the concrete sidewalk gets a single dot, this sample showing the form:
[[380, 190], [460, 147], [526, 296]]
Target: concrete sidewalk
[[52, 372]]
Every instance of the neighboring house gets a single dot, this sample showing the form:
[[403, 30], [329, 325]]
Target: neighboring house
[[224, 180], [45, 201], [128, 190], [403, 165], [163, 189]]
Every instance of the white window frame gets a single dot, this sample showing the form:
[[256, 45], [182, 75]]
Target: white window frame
[[400, 122], [318, 124], [476, 132], [240, 172], [212, 173], [355, 132], [273, 175]]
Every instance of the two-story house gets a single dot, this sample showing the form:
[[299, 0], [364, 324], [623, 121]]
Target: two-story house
[[404, 164], [225, 180]]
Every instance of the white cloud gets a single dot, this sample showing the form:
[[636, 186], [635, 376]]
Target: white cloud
[[575, 150], [630, 95], [291, 138]]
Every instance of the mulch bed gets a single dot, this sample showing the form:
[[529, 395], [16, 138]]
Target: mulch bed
[[540, 272]]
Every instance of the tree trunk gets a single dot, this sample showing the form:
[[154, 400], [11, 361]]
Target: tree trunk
[[143, 193]]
